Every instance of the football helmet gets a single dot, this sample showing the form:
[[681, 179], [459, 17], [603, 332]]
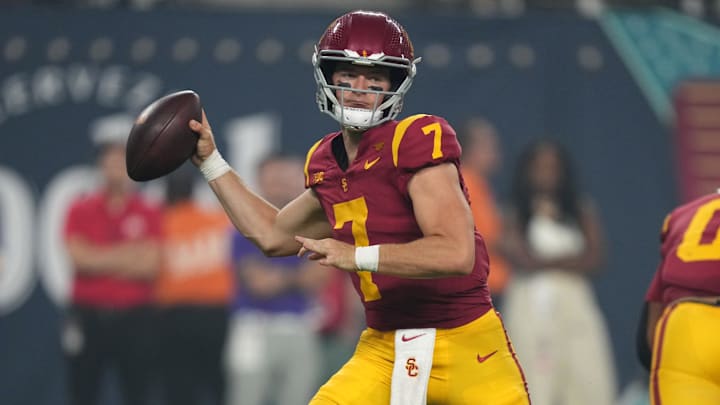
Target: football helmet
[[364, 38]]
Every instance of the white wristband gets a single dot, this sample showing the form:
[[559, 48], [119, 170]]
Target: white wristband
[[367, 258], [214, 166]]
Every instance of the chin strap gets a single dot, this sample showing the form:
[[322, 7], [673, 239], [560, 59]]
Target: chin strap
[[359, 118]]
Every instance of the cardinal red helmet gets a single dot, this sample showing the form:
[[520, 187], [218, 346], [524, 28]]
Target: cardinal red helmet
[[364, 38]]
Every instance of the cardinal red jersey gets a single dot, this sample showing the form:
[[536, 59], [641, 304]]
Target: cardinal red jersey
[[368, 203], [690, 265]]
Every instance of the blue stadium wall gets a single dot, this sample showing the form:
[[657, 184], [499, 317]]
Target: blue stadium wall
[[540, 74]]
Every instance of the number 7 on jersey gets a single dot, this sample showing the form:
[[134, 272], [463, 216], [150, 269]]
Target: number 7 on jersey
[[356, 212]]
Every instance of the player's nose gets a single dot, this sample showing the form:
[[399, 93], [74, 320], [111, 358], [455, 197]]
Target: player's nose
[[361, 82]]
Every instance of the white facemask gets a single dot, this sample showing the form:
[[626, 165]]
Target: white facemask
[[359, 118]]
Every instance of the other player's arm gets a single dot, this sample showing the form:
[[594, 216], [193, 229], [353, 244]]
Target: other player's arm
[[447, 247], [649, 317], [651, 313], [269, 228], [654, 312]]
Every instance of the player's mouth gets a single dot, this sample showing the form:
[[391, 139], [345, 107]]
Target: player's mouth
[[357, 104]]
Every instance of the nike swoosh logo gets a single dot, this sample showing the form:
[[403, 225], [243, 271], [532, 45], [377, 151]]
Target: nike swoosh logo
[[481, 359], [407, 339], [371, 163]]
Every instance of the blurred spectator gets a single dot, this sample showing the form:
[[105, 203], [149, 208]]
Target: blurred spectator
[[554, 242], [481, 158], [193, 292], [274, 351], [112, 237]]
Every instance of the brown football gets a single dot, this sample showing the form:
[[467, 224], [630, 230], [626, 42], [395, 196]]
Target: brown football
[[161, 140]]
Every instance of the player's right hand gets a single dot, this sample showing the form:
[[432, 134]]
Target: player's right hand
[[328, 252], [205, 143]]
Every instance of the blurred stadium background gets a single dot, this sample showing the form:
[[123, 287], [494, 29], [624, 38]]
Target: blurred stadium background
[[628, 86]]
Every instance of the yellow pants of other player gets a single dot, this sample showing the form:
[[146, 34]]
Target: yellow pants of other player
[[686, 355]]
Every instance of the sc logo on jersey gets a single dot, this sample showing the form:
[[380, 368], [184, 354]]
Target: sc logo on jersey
[[411, 367]]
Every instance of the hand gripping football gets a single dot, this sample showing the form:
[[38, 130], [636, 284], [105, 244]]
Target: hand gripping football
[[161, 140]]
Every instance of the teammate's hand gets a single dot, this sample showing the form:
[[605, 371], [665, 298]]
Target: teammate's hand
[[328, 252], [205, 143]]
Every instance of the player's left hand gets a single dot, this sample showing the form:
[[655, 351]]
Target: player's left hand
[[328, 252]]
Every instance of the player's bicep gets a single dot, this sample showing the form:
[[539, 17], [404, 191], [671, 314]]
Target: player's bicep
[[304, 216], [441, 209]]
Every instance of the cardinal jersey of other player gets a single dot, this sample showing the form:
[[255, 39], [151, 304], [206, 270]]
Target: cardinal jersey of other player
[[368, 203], [196, 265], [690, 250]]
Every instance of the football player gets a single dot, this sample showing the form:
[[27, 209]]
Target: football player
[[681, 321], [385, 202]]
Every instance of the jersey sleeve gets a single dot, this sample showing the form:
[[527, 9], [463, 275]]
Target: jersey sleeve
[[313, 174], [424, 140]]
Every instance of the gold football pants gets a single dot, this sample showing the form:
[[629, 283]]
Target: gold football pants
[[686, 355], [473, 364]]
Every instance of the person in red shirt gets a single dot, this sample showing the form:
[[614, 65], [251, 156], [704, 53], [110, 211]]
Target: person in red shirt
[[386, 202], [682, 313], [112, 238]]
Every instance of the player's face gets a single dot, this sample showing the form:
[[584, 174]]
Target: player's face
[[362, 78]]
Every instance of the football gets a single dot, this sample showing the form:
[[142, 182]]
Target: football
[[161, 140]]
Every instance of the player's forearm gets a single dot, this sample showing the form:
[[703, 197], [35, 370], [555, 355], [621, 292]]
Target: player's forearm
[[252, 215], [428, 257]]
